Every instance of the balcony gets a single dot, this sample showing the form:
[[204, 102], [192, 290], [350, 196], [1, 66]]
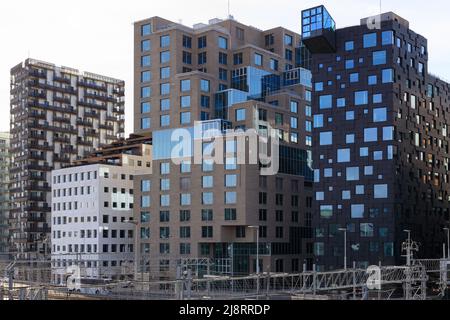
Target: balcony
[[107, 126], [91, 133], [62, 139], [39, 167], [36, 187], [92, 85], [62, 99], [91, 114], [37, 198], [37, 146], [70, 150], [84, 142], [111, 118], [62, 119], [37, 94], [47, 126], [93, 105], [62, 79], [102, 97], [47, 106], [34, 156], [36, 218], [35, 208], [37, 230], [60, 158], [37, 73], [84, 122]]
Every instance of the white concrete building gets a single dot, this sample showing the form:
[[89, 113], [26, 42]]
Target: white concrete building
[[92, 213]]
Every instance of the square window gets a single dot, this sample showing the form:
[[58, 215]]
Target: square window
[[370, 40], [343, 155], [357, 211], [380, 191]]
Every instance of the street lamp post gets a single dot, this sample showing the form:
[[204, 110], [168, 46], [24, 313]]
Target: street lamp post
[[345, 247], [448, 242]]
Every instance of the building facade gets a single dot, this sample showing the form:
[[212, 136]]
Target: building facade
[[5, 203], [381, 141], [223, 76], [58, 115], [92, 212]]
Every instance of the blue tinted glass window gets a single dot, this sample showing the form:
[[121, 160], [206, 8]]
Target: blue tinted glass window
[[145, 123], [319, 86], [352, 174], [378, 98], [379, 58], [370, 40], [380, 191], [354, 77], [326, 138], [145, 107], [165, 73], [370, 135], [146, 92], [146, 76], [145, 45], [361, 98], [341, 102], [165, 104], [343, 155], [204, 85], [372, 80], [326, 102], [165, 120], [349, 45], [185, 101], [165, 41], [240, 114], [165, 56], [185, 118], [185, 85], [388, 133], [387, 38], [223, 43], [379, 114], [318, 121], [350, 115], [146, 61], [357, 211], [349, 64], [146, 30], [165, 88], [388, 76]]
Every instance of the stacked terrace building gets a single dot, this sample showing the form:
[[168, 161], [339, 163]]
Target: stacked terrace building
[[381, 141], [92, 212], [58, 115], [224, 76], [5, 203]]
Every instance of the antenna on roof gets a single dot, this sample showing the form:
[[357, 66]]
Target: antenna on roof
[[229, 12]]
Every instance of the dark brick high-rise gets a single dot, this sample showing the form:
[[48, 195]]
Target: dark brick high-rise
[[381, 142]]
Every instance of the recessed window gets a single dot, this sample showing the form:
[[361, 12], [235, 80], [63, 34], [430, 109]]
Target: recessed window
[[326, 138], [240, 115], [146, 61], [388, 76], [372, 80], [350, 115], [387, 38], [223, 43], [388, 133], [350, 138], [364, 152], [165, 56], [370, 40], [349, 45], [379, 58], [354, 77], [371, 135], [361, 98], [352, 173], [343, 155], [145, 45], [379, 114], [357, 211], [326, 212], [326, 102], [146, 30], [349, 64], [380, 191], [145, 123]]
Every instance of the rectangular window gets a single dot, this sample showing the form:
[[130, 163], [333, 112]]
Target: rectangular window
[[146, 61], [165, 56], [326, 102], [349, 45], [361, 98], [370, 40], [223, 43], [240, 115], [164, 41], [258, 59], [379, 58], [146, 45], [387, 38]]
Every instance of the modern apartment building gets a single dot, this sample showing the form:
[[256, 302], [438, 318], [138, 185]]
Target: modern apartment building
[[381, 141], [58, 115], [207, 214], [4, 193], [92, 211]]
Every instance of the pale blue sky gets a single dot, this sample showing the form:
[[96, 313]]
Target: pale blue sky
[[97, 35]]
